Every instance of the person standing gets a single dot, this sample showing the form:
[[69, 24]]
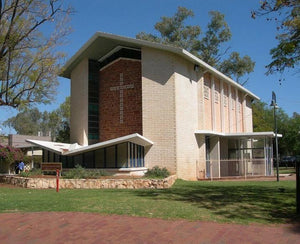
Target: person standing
[[21, 166]]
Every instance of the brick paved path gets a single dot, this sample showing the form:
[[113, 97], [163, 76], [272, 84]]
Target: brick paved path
[[68, 227]]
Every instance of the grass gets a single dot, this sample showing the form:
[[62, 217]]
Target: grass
[[238, 202], [286, 170]]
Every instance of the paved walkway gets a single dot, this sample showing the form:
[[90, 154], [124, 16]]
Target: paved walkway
[[68, 227]]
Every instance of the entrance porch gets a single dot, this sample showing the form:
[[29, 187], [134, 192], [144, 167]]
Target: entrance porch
[[238, 154]]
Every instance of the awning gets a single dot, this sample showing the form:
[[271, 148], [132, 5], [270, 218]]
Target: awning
[[240, 134], [74, 149]]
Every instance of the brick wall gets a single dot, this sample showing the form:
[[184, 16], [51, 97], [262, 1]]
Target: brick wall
[[115, 121]]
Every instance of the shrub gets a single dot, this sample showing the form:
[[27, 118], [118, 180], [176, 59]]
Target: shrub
[[81, 173], [9, 155], [32, 172], [157, 172]]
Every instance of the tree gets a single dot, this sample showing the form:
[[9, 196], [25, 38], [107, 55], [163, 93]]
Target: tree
[[29, 60], [236, 67], [32, 121], [217, 33], [263, 120], [286, 13], [26, 122], [209, 48]]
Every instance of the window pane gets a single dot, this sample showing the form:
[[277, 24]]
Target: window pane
[[99, 158], [45, 156], [258, 143], [110, 157], [78, 159], [51, 157], [89, 160], [122, 155]]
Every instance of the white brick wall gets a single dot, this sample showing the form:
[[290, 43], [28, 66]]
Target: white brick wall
[[186, 87], [79, 104], [158, 101]]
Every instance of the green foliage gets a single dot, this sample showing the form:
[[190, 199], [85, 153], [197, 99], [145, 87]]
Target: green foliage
[[32, 121], [236, 67], [81, 173], [289, 127], [8, 156], [263, 119], [208, 46], [29, 60], [26, 122], [63, 135], [32, 172], [217, 33], [173, 31], [157, 172], [286, 13]]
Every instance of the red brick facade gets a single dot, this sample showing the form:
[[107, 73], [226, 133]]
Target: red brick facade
[[120, 83]]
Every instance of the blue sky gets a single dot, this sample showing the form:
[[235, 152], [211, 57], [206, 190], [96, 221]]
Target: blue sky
[[249, 37]]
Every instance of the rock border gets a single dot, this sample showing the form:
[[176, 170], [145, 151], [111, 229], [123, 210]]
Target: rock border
[[50, 183]]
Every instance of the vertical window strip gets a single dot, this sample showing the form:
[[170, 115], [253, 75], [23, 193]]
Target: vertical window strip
[[131, 156], [48, 156], [128, 153], [94, 159], [139, 156], [143, 157], [135, 156], [116, 156], [104, 157]]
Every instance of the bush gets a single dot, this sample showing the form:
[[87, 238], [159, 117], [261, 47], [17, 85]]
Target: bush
[[81, 173], [32, 172], [157, 172]]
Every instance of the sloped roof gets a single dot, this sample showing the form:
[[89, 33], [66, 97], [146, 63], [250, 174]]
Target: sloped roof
[[74, 149], [101, 43]]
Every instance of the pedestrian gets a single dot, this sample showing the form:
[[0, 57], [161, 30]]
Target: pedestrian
[[21, 166]]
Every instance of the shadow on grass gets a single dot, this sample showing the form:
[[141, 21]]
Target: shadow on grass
[[243, 202]]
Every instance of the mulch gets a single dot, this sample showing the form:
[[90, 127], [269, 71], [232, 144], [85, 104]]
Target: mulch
[[70, 227]]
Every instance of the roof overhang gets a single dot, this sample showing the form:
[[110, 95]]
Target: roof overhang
[[74, 149], [100, 44], [238, 135]]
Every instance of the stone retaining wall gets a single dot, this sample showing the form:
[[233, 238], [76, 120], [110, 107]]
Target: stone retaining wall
[[45, 183]]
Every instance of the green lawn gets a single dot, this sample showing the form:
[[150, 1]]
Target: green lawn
[[239, 202], [286, 170]]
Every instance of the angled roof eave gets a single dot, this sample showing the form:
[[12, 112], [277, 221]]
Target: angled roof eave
[[67, 150], [238, 134], [134, 138], [55, 147], [90, 50]]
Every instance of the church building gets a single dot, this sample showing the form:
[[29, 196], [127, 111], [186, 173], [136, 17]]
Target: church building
[[136, 104]]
